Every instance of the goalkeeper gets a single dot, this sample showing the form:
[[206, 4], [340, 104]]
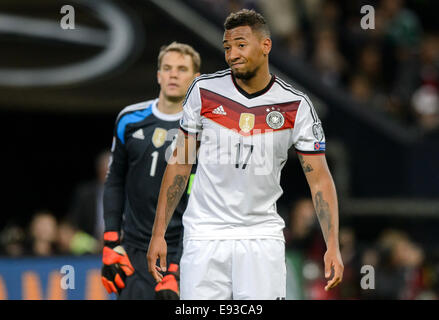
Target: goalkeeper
[[142, 141]]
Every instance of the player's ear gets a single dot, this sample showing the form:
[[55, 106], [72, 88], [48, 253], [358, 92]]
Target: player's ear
[[158, 77], [266, 46], [197, 74]]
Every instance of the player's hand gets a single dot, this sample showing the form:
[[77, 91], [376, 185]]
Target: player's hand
[[167, 289], [157, 250], [333, 268], [116, 264]]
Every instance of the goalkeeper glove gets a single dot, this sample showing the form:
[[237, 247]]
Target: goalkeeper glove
[[167, 289], [116, 266]]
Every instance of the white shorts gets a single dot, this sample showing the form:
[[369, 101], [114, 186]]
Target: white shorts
[[245, 269]]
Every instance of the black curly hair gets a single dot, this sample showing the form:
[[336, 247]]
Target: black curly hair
[[246, 17]]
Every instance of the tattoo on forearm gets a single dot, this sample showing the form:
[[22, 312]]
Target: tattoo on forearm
[[305, 166], [323, 214], [175, 191]]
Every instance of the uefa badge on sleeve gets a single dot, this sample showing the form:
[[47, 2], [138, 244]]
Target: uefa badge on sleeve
[[317, 131], [275, 120]]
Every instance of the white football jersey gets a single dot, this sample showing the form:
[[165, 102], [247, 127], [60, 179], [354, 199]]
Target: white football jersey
[[244, 142]]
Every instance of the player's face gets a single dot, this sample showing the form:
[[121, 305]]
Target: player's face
[[244, 51], [175, 75]]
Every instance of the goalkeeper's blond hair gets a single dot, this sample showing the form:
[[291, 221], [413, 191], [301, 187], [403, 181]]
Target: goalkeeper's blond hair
[[183, 49]]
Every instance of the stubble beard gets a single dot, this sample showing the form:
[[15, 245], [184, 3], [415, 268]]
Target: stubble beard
[[245, 75]]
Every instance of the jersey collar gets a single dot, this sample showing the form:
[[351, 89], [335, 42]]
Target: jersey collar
[[165, 116], [255, 94]]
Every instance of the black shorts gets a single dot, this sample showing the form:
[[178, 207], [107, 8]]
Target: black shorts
[[140, 285]]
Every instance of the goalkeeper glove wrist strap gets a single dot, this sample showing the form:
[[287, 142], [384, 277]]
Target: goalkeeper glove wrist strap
[[111, 239]]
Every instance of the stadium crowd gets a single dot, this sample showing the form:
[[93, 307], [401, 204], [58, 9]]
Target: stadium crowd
[[401, 267], [393, 68], [78, 231], [402, 270]]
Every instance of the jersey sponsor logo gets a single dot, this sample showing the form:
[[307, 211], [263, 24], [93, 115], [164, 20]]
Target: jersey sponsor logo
[[139, 134], [319, 146], [246, 122], [159, 137], [275, 120], [220, 110], [317, 130]]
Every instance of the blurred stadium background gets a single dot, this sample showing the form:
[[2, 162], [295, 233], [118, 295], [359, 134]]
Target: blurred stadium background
[[376, 91]]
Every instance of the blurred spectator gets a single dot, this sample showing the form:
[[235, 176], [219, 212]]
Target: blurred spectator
[[429, 61], [301, 218], [65, 235], [369, 85], [398, 269], [86, 211], [363, 91], [327, 58], [430, 282], [12, 241], [299, 222], [305, 248], [236, 5], [370, 65], [222, 8], [425, 103], [381, 67], [72, 241], [360, 88], [296, 45], [400, 26], [370, 257], [328, 15], [311, 9], [350, 256], [422, 69], [281, 15], [43, 232]]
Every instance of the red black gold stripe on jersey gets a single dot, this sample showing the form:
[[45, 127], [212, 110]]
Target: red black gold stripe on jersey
[[247, 121]]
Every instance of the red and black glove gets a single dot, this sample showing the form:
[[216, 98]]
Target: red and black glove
[[168, 288], [117, 265]]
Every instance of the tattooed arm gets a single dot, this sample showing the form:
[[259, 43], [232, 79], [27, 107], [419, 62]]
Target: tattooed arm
[[173, 186], [325, 203]]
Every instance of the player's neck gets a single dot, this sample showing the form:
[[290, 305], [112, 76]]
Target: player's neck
[[169, 107], [260, 81]]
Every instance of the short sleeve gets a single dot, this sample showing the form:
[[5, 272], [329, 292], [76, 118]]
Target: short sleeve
[[190, 122], [308, 134]]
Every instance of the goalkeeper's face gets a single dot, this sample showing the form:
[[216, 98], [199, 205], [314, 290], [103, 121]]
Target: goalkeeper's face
[[175, 75]]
